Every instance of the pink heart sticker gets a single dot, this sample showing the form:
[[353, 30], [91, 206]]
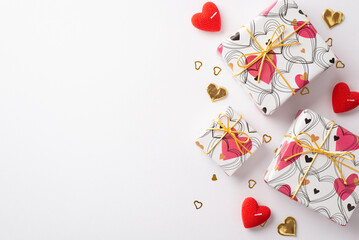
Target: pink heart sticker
[[267, 69], [287, 150], [345, 190], [345, 140], [286, 190], [230, 149]]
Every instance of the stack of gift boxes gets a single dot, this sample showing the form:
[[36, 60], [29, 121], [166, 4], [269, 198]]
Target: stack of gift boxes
[[272, 58]]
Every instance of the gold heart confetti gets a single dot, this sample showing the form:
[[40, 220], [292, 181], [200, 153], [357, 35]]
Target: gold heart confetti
[[214, 177], [329, 42], [251, 183], [340, 64], [199, 145], [222, 156], [305, 181], [230, 65], [304, 91], [288, 228], [197, 65], [303, 50], [332, 18], [266, 138], [216, 93], [314, 138], [198, 204], [216, 70]]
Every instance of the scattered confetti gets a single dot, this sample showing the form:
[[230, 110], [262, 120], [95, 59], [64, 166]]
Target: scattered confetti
[[197, 65], [216, 70], [214, 177], [329, 42], [216, 93], [288, 228], [198, 204], [251, 183], [304, 91], [266, 138], [332, 18], [340, 64]]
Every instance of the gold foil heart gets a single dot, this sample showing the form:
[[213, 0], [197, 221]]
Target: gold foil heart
[[197, 65], [216, 70], [214, 177], [199, 145], [329, 42], [198, 204], [340, 64], [288, 228], [304, 91], [262, 225], [216, 93], [332, 18], [251, 183], [266, 138]]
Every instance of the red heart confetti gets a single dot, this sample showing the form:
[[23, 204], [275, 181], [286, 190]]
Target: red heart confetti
[[209, 19], [343, 99]]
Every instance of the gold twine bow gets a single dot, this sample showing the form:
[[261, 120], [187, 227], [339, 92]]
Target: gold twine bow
[[319, 150], [263, 54], [228, 130]]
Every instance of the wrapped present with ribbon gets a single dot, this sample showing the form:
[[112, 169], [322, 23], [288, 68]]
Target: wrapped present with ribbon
[[276, 54], [229, 141], [317, 164]]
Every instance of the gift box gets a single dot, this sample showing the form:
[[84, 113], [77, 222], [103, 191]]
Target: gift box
[[276, 54], [317, 165], [229, 141]]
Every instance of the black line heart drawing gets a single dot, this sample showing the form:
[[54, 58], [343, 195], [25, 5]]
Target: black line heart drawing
[[316, 191], [307, 120]]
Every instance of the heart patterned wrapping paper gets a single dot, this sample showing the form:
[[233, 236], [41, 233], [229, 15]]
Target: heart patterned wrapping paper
[[287, 68], [327, 179], [229, 141]]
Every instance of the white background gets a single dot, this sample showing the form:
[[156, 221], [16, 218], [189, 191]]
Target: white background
[[100, 106]]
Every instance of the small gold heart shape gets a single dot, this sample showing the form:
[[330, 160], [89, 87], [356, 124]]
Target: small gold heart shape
[[288, 228], [222, 156], [294, 22], [216, 70], [216, 93], [251, 183], [199, 145], [262, 225], [230, 65], [332, 18], [314, 138], [198, 204], [304, 91], [197, 65], [329, 42], [266, 138], [303, 50], [356, 181], [304, 77], [305, 181], [214, 177], [340, 64]]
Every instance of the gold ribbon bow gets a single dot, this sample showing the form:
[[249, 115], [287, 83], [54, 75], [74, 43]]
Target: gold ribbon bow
[[228, 130], [319, 150], [263, 54]]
